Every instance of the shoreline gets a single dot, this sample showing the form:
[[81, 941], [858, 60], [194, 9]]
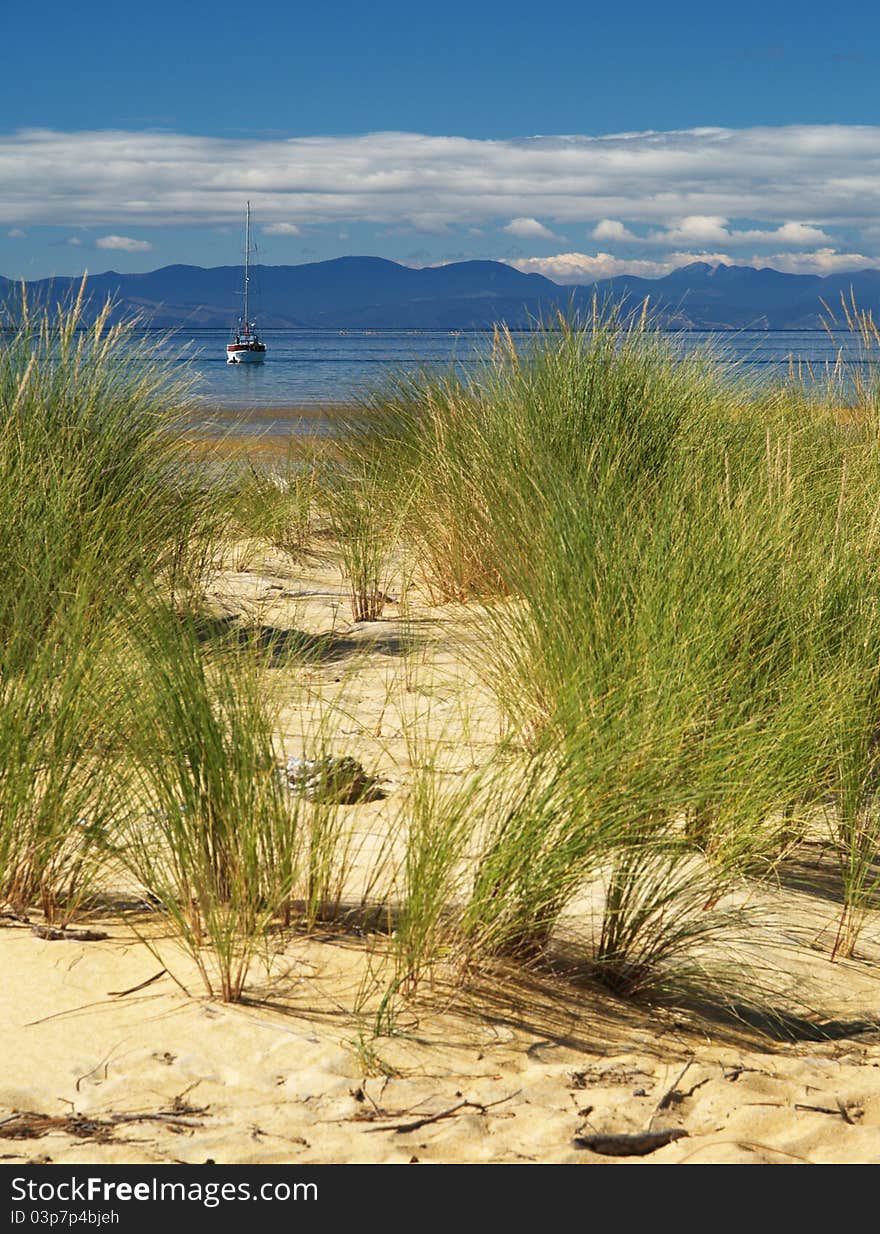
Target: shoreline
[[282, 414], [267, 432]]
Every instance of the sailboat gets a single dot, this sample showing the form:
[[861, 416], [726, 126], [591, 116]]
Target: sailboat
[[246, 347]]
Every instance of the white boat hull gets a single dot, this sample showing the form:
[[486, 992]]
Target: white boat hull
[[244, 355]]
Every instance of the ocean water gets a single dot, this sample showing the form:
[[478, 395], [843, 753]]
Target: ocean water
[[320, 369]]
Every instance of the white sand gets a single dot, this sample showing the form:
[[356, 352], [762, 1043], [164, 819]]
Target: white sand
[[515, 1068]]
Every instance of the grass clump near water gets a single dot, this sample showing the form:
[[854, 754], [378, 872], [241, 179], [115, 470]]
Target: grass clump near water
[[275, 503], [122, 736], [364, 520], [679, 572], [94, 497], [93, 490]]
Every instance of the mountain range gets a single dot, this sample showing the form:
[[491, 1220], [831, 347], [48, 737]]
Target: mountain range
[[374, 293]]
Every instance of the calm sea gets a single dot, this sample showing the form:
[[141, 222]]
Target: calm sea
[[316, 369]]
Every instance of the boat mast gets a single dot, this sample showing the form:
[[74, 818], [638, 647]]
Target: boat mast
[[247, 275]]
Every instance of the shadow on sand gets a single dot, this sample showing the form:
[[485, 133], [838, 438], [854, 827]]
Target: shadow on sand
[[280, 645]]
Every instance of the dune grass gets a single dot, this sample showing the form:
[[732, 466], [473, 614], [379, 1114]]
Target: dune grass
[[209, 833], [276, 503], [674, 580], [56, 802], [93, 486], [678, 571], [94, 496], [364, 516]]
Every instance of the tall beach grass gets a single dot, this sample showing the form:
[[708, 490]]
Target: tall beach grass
[[95, 497], [673, 578], [678, 570]]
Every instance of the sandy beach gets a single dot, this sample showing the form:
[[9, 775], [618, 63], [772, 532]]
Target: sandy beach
[[113, 1053]]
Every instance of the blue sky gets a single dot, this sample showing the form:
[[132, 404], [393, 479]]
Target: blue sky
[[577, 141]]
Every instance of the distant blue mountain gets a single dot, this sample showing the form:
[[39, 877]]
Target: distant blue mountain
[[700, 296], [373, 293]]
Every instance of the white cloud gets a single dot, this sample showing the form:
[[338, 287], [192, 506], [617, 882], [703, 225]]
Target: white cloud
[[124, 243], [282, 229], [528, 229], [822, 261], [701, 229], [612, 229], [74, 242], [813, 175], [790, 191], [15, 233], [799, 233], [697, 229], [593, 267]]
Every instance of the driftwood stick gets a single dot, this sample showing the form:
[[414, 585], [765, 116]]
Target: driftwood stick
[[30, 1125], [416, 1124], [53, 935], [840, 1110]]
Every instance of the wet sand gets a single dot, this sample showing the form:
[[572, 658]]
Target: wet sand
[[267, 433]]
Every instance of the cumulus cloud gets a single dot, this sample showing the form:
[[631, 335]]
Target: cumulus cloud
[[697, 229], [15, 233], [612, 229], [282, 229], [124, 243], [799, 233], [704, 229], [528, 229]]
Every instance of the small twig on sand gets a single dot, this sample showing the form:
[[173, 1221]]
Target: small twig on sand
[[840, 1110], [162, 1116], [749, 1145], [134, 989], [416, 1124], [101, 1002], [105, 1063], [671, 1095]]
